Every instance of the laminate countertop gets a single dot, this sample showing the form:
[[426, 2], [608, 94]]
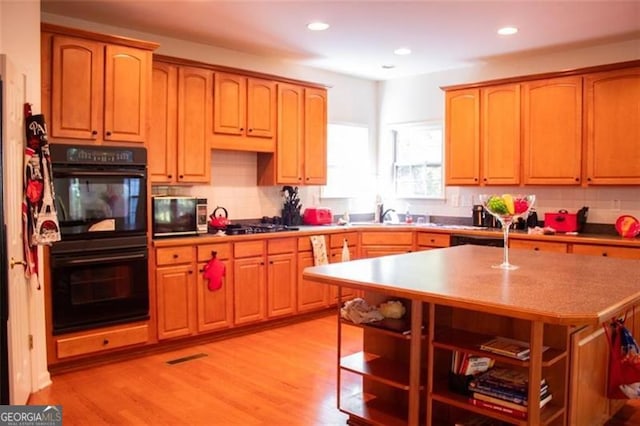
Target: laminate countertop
[[555, 288]]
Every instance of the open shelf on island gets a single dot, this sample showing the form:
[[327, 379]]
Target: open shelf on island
[[377, 368], [372, 410], [461, 340], [400, 328]]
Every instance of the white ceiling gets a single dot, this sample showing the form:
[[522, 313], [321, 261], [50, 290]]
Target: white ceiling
[[442, 34]]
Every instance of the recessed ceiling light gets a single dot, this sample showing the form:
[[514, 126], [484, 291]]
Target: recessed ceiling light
[[507, 30], [318, 26], [402, 51], [388, 67]]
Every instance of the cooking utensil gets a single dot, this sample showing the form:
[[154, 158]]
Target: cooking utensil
[[219, 218]]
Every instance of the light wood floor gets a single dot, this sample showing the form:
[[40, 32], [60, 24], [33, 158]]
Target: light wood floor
[[279, 377]]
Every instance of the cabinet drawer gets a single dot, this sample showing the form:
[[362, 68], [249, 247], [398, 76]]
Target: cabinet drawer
[[281, 245], [607, 251], [304, 243], [394, 238], [103, 341], [338, 239], [223, 251], [248, 249], [174, 255], [539, 246], [433, 240]]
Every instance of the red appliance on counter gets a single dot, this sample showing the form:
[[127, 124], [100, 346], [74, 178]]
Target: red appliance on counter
[[563, 221], [317, 216]]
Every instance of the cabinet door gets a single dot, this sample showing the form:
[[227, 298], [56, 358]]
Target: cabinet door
[[552, 131], [606, 251], [501, 135], [311, 296], [126, 78], [215, 308], [315, 137], [163, 132], [76, 88], [194, 118], [261, 108], [462, 137], [229, 104], [347, 293], [613, 127], [281, 285], [553, 246], [290, 134], [249, 290], [176, 301]]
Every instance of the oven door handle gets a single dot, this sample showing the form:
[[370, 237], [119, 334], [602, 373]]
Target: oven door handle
[[102, 259], [118, 173]]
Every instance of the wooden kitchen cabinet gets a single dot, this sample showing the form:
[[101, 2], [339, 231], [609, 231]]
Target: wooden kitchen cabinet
[[613, 127], [462, 137], [431, 240], [175, 291], [552, 131], [244, 113], [281, 277], [163, 135], [310, 296], [483, 135], [500, 141], [606, 251], [179, 138], [249, 282], [215, 308], [336, 244], [95, 88], [384, 243], [553, 246], [301, 143]]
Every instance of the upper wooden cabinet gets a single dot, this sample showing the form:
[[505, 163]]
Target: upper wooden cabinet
[[179, 137], [483, 136], [462, 137], [163, 136], [613, 127], [244, 113], [552, 131], [301, 147], [500, 124], [94, 90]]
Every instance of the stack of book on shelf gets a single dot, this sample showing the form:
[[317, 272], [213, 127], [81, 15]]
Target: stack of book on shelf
[[508, 347], [505, 390], [465, 364]]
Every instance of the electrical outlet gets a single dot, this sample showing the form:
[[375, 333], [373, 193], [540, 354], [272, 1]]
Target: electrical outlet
[[455, 200]]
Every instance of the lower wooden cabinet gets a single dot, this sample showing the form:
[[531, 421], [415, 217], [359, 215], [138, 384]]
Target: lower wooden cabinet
[[431, 240], [384, 243], [176, 300], [249, 290], [215, 307], [553, 246], [281, 277], [311, 296], [606, 251], [102, 341]]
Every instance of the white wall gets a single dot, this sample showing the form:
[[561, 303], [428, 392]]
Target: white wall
[[421, 99]]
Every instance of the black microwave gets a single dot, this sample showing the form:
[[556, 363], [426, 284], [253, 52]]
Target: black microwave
[[177, 215]]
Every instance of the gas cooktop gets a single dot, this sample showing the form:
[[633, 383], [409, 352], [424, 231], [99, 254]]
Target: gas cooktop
[[255, 228]]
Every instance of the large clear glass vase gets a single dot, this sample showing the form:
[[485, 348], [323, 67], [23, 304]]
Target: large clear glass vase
[[507, 209]]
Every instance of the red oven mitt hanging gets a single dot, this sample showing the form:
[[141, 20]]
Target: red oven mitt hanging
[[213, 271]]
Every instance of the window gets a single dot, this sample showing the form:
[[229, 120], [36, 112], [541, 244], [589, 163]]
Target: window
[[417, 165], [348, 161]]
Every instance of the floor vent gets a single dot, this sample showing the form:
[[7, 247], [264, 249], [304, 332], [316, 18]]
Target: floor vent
[[186, 358]]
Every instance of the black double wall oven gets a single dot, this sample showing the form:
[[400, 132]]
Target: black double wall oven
[[99, 271]]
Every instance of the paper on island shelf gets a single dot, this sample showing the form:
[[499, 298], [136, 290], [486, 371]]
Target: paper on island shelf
[[508, 347]]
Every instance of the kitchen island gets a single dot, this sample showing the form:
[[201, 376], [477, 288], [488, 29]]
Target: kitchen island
[[456, 301]]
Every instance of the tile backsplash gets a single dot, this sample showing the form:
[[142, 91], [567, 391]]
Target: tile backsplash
[[234, 177]]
